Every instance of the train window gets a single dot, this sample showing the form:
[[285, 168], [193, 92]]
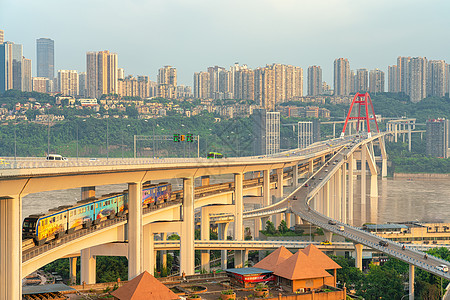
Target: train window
[[92, 207], [54, 219]]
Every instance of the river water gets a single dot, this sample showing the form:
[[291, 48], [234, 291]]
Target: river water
[[399, 200]]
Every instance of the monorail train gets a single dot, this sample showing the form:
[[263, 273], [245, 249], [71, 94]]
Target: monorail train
[[67, 219]]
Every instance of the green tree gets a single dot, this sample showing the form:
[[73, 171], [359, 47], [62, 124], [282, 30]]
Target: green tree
[[270, 228], [282, 228], [381, 283]]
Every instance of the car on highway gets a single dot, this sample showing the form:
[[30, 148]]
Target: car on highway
[[326, 243], [443, 268], [383, 243], [320, 178], [326, 170], [332, 222], [341, 228]]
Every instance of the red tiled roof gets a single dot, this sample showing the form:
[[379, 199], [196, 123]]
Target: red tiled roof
[[144, 287], [273, 259], [318, 258], [299, 267]]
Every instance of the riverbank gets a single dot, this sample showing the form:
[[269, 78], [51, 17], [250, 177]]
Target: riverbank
[[421, 176]]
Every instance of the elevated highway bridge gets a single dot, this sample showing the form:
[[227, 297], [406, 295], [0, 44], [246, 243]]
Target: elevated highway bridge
[[324, 201]]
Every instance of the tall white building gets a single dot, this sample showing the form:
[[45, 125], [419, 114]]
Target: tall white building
[[102, 73], [27, 85], [68, 82]]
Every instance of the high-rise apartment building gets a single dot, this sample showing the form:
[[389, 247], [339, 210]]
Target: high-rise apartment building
[[376, 81], [10, 66], [437, 78], [361, 81], [41, 84], [167, 82], [68, 82], [202, 85], [101, 72], [2, 36], [120, 73], [438, 138], [308, 133], [394, 80], [265, 88], [314, 81], [45, 58], [341, 77], [27, 85], [244, 84], [403, 74], [266, 131], [82, 81], [418, 79]]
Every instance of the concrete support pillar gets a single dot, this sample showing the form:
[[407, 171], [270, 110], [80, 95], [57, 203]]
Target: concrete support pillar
[[239, 207], [409, 137], [358, 259], [295, 175], [238, 258], [287, 218], [257, 227], [279, 192], [163, 254], [363, 179], [311, 167], [205, 228], [350, 188], [187, 250], [88, 267], [87, 192], [298, 220], [383, 167], [395, 133], [326, 194], [322, 159], [334, 130], [222, 230], [411, 282], [266, 188], [148, 262], [73, 270], [11, 248], [134, 229], [339, 194], [344, 193], [205, 180], [373, 186], [332, 199], [328, 235]]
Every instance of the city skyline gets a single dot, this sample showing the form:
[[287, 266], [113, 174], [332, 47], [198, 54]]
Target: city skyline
[[240, 31]]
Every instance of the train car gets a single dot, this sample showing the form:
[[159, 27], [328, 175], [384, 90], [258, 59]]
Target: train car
[[163, 192], [105, 208], [122, 204], [149, 194], [81, 215], [50, 226]]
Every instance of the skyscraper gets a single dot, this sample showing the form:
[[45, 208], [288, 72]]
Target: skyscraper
[[376, 81], [101, 72], [2, 36], [68, 82], [167, 82], [82, 80], [26, 75], [437, 78], [244, 84], [394, 80], [45, 59], [266, 131], [361, 81], [265, 88], [403, 74], [341, 77], [10, 66], [201, 85], [417, 79], [314, 81], [438, 138], [41, 84]]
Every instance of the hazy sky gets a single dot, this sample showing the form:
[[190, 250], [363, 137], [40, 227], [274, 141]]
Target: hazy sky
[[194, 34]]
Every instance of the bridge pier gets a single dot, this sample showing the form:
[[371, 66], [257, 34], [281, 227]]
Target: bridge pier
[[73, 270], [310, 167], [148, 262], [11, 248], [358, 259], [326, 194], [279, 191], [295, 175], [411, 282], [350, 188], [266, 188], [222, 235], [187, 250], [163, 253], [88, 267], [205, 228], [328, 235], [134, 229], [344, 193], [363, 180], [87, 192], [338, 194]]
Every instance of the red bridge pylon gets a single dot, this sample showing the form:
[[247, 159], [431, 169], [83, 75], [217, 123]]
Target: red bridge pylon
[[365, 101]]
